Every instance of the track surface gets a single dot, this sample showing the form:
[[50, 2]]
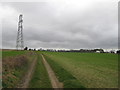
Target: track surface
[[54, 81]]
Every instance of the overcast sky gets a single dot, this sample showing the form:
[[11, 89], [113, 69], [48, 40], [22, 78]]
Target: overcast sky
[[70, 24]]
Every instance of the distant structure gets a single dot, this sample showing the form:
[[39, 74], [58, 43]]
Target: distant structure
[[20, 42]]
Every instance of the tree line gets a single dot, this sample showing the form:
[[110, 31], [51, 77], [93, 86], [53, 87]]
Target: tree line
[[72, 50]]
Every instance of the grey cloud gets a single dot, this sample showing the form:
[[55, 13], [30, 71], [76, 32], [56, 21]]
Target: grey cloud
[[48, 27]]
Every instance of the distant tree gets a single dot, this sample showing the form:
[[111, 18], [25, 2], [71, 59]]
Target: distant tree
[[112, 51], [99, 50], [118, 51], [30, 49], [26, 48]]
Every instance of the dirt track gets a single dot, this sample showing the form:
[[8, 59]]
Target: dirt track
[[54, 81]]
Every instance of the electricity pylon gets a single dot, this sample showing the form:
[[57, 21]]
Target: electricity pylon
[[19, 42]]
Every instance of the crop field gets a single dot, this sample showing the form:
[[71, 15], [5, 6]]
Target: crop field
[[92, 70], [72, 69]]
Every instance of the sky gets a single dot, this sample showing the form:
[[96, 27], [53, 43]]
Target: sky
[[62, 24]]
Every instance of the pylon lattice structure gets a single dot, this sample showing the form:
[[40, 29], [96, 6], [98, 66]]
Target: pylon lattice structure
[[20, 42]]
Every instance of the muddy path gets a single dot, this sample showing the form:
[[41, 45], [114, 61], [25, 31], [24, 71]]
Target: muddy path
[[25, 81], [54, 81]]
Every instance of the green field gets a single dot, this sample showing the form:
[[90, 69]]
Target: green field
[[12, 53], [73, 69], [92, 70]]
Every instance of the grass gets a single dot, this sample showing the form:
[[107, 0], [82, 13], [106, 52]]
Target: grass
[[12, 53], [15, 67], [40, 77], [92, 70]]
